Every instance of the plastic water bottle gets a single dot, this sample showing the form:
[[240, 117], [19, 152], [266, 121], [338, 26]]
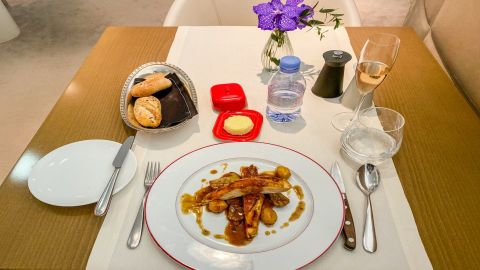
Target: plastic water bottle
[[285, 91]]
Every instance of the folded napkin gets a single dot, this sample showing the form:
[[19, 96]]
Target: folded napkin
[[177, 105]]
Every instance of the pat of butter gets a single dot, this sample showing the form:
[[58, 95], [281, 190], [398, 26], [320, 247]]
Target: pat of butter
[[238, 125]]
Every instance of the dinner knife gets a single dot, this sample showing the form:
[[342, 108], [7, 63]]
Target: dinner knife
[[348, 226], [104, 201]]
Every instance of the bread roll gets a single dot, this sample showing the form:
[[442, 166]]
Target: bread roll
[[148, 111], [152, 84], [131, 116]]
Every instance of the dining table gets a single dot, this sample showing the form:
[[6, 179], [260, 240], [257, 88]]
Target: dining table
[[437, 164]]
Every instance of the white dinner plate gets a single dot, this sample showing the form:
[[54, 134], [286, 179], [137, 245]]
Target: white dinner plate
[[77, 173], [290, 247]]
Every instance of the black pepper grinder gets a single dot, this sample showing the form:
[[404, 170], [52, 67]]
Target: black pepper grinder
[[330, 81]]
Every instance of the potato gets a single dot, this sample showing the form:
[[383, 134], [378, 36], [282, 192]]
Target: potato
[[283, 172], [268, 216], [217, 206], [268, 173]]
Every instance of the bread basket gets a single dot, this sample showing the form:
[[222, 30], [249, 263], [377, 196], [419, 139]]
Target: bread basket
[[146, 69]]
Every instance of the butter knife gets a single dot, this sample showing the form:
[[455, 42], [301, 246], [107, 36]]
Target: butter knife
[[348, 227], [104, 201]]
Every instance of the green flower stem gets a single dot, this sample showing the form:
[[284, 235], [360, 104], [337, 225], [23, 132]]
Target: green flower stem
[[279, 38]]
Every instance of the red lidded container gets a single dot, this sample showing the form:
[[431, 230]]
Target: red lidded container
[[228, 97]]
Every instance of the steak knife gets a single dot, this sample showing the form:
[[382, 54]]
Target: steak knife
[[104, 201], [349, 226]]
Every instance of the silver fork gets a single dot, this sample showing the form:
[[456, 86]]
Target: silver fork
[[153, 169]]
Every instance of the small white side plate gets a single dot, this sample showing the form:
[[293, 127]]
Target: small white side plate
[[77, 173]]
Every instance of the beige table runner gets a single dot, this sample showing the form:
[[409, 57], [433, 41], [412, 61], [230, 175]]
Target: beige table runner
[[212, 55]]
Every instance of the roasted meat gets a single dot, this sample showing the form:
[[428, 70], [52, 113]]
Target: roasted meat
[[249, 171], [248, 186], [224, 180], [252, 207]]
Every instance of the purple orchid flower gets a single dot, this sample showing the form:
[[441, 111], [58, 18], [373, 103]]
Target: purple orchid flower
[[284, 17]]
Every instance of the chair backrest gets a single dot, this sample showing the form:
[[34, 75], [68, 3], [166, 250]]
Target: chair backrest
[[239, 12], [451, 30]]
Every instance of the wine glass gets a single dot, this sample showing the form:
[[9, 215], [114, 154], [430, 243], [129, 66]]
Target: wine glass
[[376, 60]]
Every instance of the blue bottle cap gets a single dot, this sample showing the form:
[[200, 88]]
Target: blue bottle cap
[[290, 64]]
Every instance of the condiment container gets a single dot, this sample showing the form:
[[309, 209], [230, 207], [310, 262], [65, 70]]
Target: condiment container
[[230, 100], [220, 133], [329, 83], [228, 97]]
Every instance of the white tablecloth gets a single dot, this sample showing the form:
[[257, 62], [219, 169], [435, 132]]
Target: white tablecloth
[[212, 55]]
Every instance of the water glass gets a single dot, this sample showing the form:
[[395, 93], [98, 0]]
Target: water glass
[[375, 136]]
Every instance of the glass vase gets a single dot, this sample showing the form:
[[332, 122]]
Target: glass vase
[[278, 46]]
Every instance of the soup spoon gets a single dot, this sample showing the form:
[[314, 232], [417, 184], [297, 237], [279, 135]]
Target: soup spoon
[[368, 179]]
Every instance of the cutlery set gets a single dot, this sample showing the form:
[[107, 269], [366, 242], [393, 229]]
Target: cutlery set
[[368, 179], [104, 201], [348, 226], [153, 170]]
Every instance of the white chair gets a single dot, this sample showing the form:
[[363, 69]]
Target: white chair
[[8, 27], [240, 12], [450, 31]]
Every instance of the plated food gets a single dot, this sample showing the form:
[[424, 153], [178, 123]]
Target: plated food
[[283, 245], [247, 199], [158, 97]]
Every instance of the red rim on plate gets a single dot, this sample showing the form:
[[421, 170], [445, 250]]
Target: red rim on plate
[[306, 263], [221, 134]]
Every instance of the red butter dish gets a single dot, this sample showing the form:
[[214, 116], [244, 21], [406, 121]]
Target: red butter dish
[[221, 134], [228, 97]]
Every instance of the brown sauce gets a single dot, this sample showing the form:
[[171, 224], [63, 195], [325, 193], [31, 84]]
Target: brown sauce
[[189, 205], [267, 233], [204, 180], [298, 191], [213, 172], [235, 234], [273, 231], [284, 225], [298, 211], [187, 202]]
